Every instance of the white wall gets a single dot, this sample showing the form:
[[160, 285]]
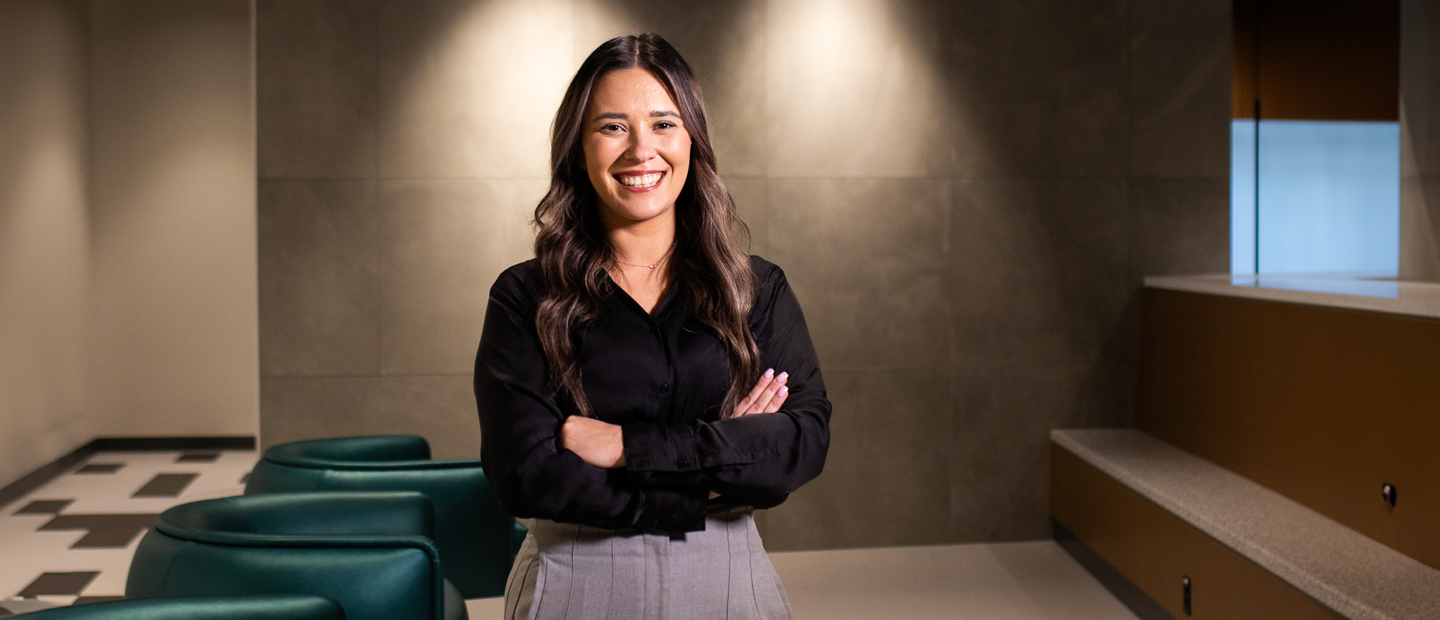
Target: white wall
[[174, 347], [43, 233]]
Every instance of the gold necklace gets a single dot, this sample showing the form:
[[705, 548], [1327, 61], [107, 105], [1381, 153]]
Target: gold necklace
[[651, 266]]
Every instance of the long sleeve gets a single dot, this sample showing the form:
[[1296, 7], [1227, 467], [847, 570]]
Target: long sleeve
[[756, 458], [520, 420]]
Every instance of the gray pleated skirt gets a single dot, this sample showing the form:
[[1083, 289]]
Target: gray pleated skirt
[[578, 572]]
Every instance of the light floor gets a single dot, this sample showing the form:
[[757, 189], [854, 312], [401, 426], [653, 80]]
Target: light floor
[[997, 581], [72, 539], [108, 508]]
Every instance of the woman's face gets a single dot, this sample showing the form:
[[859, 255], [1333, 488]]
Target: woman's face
[[637, 151]]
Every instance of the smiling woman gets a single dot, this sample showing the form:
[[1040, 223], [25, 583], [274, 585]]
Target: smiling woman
[[637, 151], [619, 383], [637, 155]]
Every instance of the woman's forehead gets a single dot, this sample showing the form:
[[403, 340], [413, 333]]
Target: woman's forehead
[[630, 92]]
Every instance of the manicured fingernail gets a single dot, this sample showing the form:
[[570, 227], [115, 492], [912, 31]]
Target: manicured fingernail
[[769, 372], [783, 376], [783, 391]]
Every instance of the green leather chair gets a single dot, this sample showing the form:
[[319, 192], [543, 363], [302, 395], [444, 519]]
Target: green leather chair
[[370, 552], [297, 607], [477, 540]]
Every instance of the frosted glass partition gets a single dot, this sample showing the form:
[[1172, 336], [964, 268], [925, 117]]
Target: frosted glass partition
[[1329, 197], [1242, 196]]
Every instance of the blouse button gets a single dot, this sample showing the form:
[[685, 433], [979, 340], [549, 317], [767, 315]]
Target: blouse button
[[664, 388]]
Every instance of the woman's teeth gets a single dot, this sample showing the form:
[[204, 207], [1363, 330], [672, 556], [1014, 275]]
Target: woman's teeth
[[641, 180]]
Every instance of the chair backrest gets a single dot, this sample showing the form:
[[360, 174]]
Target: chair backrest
[[367, 551], [374, 513], [260, 607], [339, 451], [471, 530]]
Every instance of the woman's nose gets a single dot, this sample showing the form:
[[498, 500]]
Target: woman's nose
[[642, 146]]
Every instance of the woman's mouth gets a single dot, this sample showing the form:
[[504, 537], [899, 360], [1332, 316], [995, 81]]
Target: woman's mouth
[[640, 181]]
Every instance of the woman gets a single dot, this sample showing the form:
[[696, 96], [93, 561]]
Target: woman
[[644, 386]]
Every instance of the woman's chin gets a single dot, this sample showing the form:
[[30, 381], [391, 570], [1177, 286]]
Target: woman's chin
[[635, 212]]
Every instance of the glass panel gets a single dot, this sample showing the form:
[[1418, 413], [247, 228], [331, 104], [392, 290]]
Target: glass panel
[[1329, 196], [1242, 196]]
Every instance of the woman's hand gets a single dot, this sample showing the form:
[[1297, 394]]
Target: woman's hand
[[767, 395], [601, 444]]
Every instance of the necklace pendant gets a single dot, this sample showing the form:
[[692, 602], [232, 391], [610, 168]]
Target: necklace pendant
[[650, 266]]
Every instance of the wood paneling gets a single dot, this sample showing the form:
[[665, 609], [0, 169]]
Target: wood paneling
[[1155, 550], [1243, 65], [1318, 59], [1321, 405]]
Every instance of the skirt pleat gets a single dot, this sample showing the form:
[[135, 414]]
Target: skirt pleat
[[566, 571]]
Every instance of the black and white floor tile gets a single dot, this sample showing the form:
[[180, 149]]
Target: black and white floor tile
[[70, 541]]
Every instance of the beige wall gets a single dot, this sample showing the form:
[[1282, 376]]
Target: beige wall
[[173, 193], [964, 193], [127, 226], [44, 253]]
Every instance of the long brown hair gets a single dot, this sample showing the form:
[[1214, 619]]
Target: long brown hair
[[575, 252]]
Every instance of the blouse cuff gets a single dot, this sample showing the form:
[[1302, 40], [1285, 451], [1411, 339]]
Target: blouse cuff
[[659, 447]]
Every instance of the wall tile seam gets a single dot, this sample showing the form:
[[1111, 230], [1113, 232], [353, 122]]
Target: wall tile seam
[[1130, 238], [373, 376], [1079, 362], [1006, 177], [366, 179], [998, 177], [376, 159], [1179, 177], [384, 179], [378, 93], [397, 179], [824, 368]]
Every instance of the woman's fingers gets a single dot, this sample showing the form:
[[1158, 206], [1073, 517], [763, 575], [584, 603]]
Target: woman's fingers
[[747, 403], [767, 396], [762, 402], [777, 400], [754, 394]]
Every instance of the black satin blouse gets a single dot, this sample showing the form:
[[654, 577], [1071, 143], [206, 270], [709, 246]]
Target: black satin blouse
[[661, 378]]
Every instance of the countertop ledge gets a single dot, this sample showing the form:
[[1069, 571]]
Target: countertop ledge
[[1348, 291], [1337, 566]]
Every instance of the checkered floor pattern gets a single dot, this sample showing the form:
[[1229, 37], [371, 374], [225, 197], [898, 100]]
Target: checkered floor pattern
[[70, 541]]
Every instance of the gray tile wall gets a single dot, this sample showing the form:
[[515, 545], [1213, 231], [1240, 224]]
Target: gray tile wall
[[1419, 141], [964, 194]]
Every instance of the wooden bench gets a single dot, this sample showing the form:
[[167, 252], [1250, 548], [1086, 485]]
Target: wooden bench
[[1158, 515]]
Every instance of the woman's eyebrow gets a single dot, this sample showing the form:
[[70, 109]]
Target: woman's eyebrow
[[622, 116]]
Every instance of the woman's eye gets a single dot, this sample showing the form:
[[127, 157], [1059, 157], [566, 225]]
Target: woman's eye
[[612, 127], [664, 125]]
